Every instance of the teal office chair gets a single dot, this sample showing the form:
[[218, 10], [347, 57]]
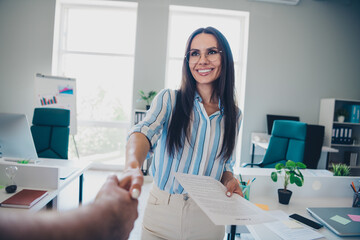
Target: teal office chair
[[50, 131], [287, 142]]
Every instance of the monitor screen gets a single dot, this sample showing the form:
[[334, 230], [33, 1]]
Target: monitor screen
[[271, 118]]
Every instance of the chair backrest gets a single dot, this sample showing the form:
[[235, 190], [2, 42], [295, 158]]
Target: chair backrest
[[287, 142], [313, 144], [50, 131]]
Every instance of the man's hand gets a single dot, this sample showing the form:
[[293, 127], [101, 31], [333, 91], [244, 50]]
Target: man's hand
[[119, 209]]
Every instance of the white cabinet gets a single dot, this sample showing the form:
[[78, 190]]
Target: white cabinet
[[337, 133]]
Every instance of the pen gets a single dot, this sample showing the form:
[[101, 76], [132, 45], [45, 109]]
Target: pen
[[353, 188], [248, 182], [240, 177], [353, 185], [253, 180]]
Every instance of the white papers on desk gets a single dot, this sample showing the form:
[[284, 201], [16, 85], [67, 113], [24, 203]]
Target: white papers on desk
[[282, 229], [209, 195], [286, 233]]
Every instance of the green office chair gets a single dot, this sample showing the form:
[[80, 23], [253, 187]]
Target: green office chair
[[287, 142], [50, 131]]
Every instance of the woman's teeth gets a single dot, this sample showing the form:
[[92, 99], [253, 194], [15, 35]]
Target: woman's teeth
[[204, 70]]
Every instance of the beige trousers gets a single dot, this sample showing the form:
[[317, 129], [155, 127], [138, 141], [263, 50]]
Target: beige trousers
[[176, 216]]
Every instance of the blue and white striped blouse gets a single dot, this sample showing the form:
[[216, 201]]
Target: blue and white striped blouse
[[206, 139]]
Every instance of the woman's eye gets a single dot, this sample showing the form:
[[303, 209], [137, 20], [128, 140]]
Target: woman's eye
[[211, 52], [194, 54]]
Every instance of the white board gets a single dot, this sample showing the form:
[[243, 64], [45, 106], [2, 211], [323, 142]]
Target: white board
[[57, 92]]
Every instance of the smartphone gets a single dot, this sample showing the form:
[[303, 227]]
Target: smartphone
[[306, 221]]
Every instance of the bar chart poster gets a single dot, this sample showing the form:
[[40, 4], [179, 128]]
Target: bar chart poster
[[57, 92]]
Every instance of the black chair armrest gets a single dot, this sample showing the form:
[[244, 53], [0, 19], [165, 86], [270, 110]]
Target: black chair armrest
[[251, 164]]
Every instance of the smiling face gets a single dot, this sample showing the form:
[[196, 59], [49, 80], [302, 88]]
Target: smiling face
[[205, 71]]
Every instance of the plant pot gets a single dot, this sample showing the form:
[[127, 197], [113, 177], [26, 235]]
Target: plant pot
[[341, 119], [147, 107], [284, 196]]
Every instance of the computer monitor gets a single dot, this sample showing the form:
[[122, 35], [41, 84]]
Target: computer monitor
[[15, 137], [271, 118]]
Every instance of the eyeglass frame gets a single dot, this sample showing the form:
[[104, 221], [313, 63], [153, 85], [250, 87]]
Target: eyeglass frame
[[188, 53]]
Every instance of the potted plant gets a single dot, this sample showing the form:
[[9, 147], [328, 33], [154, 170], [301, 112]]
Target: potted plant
[[341, 169], [292, 175], [147, 97], [341, 114]]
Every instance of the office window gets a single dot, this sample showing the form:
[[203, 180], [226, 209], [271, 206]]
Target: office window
[[233, 24], [95, 43]]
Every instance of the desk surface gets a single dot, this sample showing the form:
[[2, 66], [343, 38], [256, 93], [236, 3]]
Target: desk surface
[[298, 205], [79, 168], [316, 192]]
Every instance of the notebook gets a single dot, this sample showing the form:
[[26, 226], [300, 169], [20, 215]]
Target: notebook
[[339, 220], [26, 198], [16, 142]]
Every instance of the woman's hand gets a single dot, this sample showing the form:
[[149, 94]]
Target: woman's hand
[[231, 184], [132, 180]]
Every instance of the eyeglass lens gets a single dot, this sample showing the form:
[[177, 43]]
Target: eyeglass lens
[[211, 55]]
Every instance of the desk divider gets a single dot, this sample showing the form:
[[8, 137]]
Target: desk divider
[[314, 186], [31, 175]]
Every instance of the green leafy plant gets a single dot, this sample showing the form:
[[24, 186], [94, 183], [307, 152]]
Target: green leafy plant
[[342, 112], [291, 171], [147, 97], [341, 169]]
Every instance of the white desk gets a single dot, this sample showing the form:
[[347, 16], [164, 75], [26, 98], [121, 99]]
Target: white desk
[[45, 176], [320, 189], [262, 140]]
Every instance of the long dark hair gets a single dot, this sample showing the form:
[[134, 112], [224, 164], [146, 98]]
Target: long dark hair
[[224, 88]]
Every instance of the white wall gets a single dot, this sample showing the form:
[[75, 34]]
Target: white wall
[[297, 54], [26, 35]]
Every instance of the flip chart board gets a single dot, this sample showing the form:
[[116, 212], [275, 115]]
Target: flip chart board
[[57, 92]]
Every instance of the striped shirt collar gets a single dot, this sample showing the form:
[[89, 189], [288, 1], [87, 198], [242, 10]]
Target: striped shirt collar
[[198, 98]]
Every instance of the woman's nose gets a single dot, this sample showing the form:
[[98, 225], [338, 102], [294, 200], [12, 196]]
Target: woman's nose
[[203, 59]]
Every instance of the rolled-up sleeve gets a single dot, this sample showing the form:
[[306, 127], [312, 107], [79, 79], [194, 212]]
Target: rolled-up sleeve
[[156, 117], [229, 165]]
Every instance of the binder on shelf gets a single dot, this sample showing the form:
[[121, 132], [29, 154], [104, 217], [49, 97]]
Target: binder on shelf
[[353, 159], [349, 141], [337, 134], [345, 140], [139, 116], [355, 114], [341, 135], [350, 136]]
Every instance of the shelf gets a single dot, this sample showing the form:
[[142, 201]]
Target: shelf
[[344, 145], [347, 123]]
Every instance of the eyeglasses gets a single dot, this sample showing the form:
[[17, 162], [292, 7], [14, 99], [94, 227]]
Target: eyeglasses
[[211, 55]]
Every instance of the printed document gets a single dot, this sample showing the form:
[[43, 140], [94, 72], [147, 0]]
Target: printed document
[[209, 195]]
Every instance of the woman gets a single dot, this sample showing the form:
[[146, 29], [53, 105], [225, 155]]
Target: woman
[[192, 130]]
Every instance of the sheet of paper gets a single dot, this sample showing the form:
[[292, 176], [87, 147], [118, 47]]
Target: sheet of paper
[[340, 219], [279, 215], [209, 194], [293, 233], [355, 218]]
